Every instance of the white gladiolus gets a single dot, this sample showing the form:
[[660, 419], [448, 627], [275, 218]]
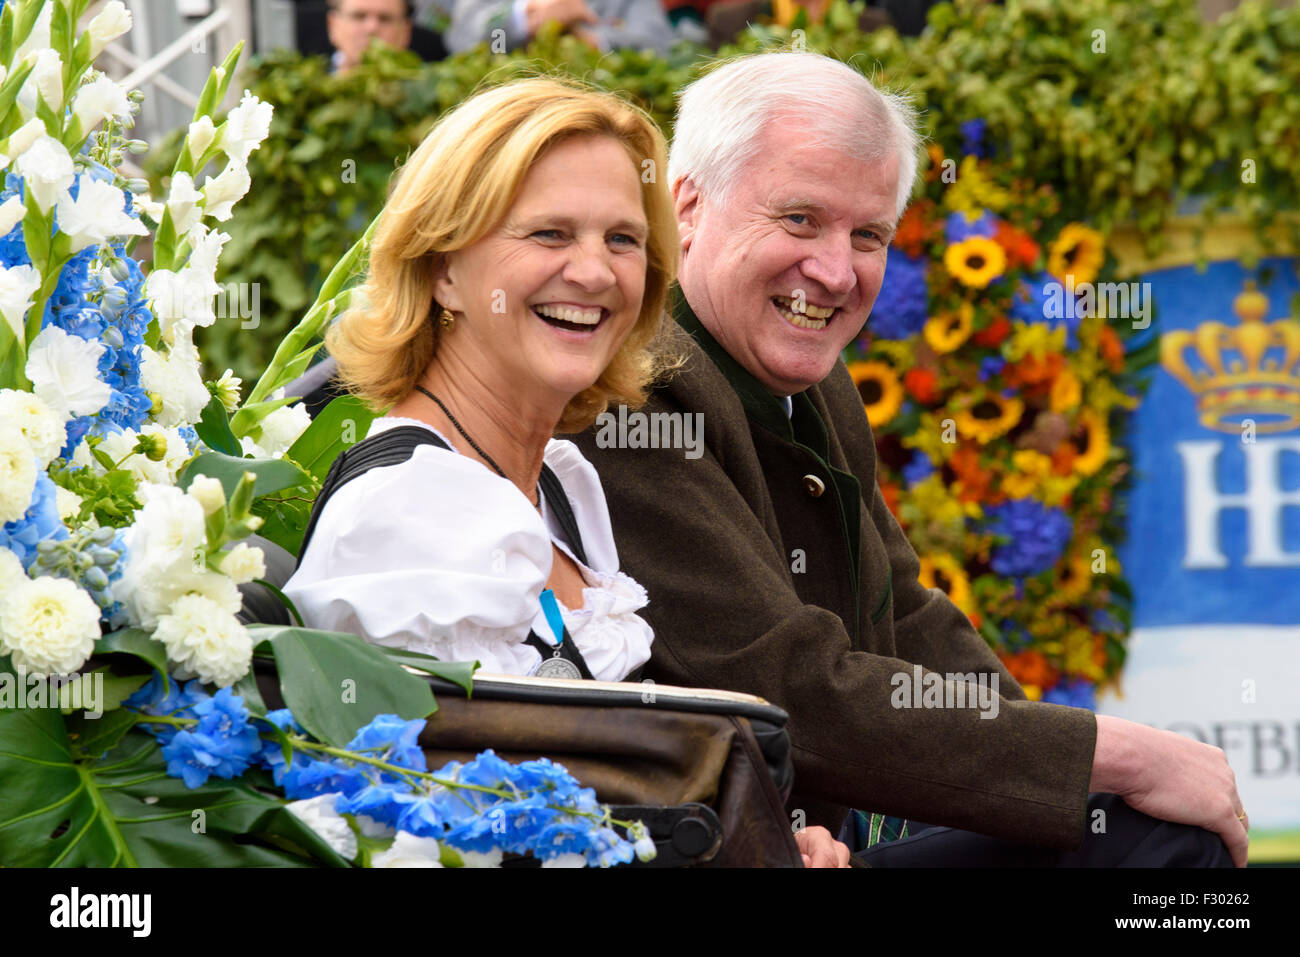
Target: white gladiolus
[[243, 563], [98, 99], [147, 206], [318, 813], [199, 137], [205, 246], [11, 213], [39, 38], [184, 202], [175, 379], [96, 215], [45, 81], [17, 473], [21, 140], [166, 291], [280, 430], [247, 125], [18, 285], [208, 492], [221, 193], [409, 851], [40, 426], [64, 372], [203, 638], [109, 24], [49, 625], [46, 169]]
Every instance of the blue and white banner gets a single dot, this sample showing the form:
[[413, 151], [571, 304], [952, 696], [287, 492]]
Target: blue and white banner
[[1214, 531]]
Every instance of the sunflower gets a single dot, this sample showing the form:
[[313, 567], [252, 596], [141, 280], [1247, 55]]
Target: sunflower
[[947, 331], [989, 418], [975, 262], [1079, 252], [1031, 469], [1073, 579], [1066, 391], [945, 573], [881, 392], [1092, 442]]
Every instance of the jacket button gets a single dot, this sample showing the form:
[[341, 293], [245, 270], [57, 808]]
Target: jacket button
[[813, 486]]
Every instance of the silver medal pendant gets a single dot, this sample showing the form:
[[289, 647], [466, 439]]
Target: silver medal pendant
[[558, 667]]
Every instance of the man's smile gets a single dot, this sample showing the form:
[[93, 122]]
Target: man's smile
[[804, 315]]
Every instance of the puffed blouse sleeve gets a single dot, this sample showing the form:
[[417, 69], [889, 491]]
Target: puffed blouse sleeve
[[434, 555]]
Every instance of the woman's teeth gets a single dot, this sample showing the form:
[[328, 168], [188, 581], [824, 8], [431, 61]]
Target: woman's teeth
[[812, 317], [569, 314]]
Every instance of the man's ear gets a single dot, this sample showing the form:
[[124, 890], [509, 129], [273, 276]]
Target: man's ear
[[686, 204]]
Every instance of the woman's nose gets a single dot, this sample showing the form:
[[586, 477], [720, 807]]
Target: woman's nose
[[589, 265]]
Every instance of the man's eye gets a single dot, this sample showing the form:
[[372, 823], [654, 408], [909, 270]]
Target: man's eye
[[797, 219]]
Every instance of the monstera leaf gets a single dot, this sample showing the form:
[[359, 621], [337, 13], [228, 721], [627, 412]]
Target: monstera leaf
[[62, 807]]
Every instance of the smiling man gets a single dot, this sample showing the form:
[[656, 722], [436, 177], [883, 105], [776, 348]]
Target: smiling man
[[774, 567]]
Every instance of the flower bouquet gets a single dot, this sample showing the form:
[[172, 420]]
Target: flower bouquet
[[994, 375], [132, 729]]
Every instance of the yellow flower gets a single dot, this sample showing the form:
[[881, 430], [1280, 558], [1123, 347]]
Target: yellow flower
[[881, 392], [1078, 251], [1080, 647], [1066, 391], [1031, 469], [1032, 692], [1073, 580], [946, 573], [929, 501], [974, 192], [948, 331], [975, 262], [1034, 339], [1092, 441], [989, 418]]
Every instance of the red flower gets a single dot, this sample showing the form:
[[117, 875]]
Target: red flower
[[915, 230], [1020, 247], [1112, 350], [991, 336], [890, 493], [922, 384]]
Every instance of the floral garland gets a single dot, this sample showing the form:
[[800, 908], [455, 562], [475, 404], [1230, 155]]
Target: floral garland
[[127, 487], [993, 388]]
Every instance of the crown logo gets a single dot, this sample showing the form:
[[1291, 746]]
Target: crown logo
[[1250, 371]]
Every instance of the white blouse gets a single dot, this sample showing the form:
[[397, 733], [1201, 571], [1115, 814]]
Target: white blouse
[[441, 555]]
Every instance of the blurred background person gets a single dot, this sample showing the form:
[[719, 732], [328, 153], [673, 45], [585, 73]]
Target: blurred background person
[[353, 24], [601, 24]]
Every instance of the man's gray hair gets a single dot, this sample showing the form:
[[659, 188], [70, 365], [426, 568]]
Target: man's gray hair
[[722, 114]]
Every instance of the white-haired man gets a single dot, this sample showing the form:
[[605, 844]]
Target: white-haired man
[[774, 566]]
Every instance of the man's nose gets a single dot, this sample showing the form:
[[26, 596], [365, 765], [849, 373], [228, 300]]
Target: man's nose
[[831, 266], [589, 265]]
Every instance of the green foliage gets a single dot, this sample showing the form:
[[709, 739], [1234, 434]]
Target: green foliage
[[1125, 124]]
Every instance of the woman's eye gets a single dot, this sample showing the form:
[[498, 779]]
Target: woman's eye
[[548, 234], [623, 239]]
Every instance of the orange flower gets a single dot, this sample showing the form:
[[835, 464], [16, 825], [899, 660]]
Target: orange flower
[[991, 336], [1031, 668], [973, 480], [890, 493], [922, 384], [1035, 376], [935, 152], [1112, 350], [1063, 460], [975, 618], [1020, 246], [915, 229]]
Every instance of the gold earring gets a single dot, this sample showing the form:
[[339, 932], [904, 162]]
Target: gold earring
[[446, 319]]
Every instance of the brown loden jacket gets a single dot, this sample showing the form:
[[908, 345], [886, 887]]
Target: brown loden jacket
[[756, 584]]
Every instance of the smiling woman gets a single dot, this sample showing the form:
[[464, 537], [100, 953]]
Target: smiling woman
[[517, 280]]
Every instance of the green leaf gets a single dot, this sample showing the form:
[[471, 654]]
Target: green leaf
[[246, 688], [340, 424], [113, 690], [457, 672], [213, 428], [134, 641], [59, 807], [96, 736], [335, 683], [272, 475]]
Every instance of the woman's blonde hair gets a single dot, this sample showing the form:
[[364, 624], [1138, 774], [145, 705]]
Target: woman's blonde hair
[[456, 187]]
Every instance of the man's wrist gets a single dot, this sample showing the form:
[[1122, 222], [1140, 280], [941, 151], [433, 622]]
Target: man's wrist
[[1114, 757]]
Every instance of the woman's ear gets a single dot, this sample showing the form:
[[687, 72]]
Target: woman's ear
[[445, 291]]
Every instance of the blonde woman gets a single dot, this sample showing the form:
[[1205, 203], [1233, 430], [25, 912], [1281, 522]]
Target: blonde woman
[[517, 278]]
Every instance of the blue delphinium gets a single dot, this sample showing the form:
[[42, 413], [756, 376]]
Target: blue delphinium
[[389, 738], [1075, 692], [39, 523], [1035, 536], [1029, 302], [991, 366], [959, 227], [972, 138], [222, 745], [902, 306], [919, 469]]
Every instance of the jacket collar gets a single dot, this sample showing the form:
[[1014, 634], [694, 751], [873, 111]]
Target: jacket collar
[[760, 405]]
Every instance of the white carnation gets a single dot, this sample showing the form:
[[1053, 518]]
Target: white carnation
[[409, 851], [17, 473], [49, 625], [221, 193], [109, 24], [98, 99], [44, 430], [149, 592], [11, 571], [96, 215], [168, 530], [318, 813], [175, 379], [64, 372], [243, 563], [203, 638], [247, 125], [282, 428]]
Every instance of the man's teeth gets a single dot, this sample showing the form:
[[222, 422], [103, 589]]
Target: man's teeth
[[809, 317], [581, 317]]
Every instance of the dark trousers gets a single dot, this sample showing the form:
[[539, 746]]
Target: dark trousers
[[1130, 839]]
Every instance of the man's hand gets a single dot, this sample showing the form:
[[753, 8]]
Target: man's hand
[[1170, 777], [819, 849], [568, 12]]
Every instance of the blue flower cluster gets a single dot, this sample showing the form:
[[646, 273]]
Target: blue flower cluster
[[958, 227], [918, 469], [972, 138], [991, 366], [39, 523], [1035, 535], [540, 809], [903, 304], [1075, 692], [1029, 304]]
